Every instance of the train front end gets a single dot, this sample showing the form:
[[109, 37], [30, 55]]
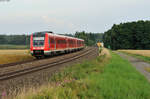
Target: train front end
[[37, 44]]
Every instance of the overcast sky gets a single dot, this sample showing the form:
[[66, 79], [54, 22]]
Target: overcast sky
[[68, 16]]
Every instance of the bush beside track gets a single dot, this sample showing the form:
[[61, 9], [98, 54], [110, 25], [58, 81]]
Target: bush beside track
[[101, 78]]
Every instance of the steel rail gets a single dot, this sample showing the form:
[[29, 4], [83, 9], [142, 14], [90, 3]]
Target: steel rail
[[28, 61], [41, 67]]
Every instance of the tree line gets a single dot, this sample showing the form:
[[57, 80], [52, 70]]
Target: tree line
[[90, 38], [130, 35], [15, 39]]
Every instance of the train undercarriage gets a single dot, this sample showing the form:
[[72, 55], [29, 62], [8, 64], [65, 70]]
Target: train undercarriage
[[43, 54]]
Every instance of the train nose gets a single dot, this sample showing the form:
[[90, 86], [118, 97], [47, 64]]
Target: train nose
[[38, 52], [38, 48]]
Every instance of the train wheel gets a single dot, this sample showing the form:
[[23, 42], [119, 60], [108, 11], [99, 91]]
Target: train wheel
[[38, 57]]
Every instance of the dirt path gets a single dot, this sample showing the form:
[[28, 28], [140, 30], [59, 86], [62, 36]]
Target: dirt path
[[139, 64]]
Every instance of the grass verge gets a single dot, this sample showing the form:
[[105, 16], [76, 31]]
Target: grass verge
[[121, 80], [97, 79]]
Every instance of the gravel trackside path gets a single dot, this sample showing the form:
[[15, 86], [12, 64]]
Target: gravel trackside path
[[139, 64]]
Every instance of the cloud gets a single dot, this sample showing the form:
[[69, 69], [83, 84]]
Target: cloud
[[49, 20], [55, 22], [69, 15]]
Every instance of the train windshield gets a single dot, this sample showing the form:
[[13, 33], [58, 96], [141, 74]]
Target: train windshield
[[38, 41]]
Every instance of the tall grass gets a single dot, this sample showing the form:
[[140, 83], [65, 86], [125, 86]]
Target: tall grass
[[101, 78], [121, 80], [71, 83]]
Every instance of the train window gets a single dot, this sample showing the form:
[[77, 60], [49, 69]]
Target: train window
[[70, 41], [39, 34], [52, 41], [49, 40], [38, 42], [64, 41], [58, 41]]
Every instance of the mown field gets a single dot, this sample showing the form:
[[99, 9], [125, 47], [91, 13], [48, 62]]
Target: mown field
[[137, 52], [11, 56], [14, 53], [106, 77], [141, 54]]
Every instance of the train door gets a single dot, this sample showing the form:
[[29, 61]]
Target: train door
[[57, 43], [67, 43], [66, 46], [52, 43]]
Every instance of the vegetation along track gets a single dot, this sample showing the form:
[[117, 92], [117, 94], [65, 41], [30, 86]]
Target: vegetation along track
[[17, 73]]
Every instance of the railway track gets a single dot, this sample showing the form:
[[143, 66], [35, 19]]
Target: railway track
[[17, 73], [23, 62], [16, 63]]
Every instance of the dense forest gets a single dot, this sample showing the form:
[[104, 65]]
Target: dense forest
[[90, 38], [130, 35], [15, 39]]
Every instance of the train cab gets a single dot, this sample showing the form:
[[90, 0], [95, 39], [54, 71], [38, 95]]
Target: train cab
[[38, 43]]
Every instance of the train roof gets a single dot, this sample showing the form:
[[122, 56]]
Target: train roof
[[66, 36], [80, 39], [42, 32], [51, 33]]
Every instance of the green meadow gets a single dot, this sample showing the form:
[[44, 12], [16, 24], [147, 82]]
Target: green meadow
[[101, 78]]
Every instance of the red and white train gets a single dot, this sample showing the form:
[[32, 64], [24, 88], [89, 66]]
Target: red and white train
[[48, 43]]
